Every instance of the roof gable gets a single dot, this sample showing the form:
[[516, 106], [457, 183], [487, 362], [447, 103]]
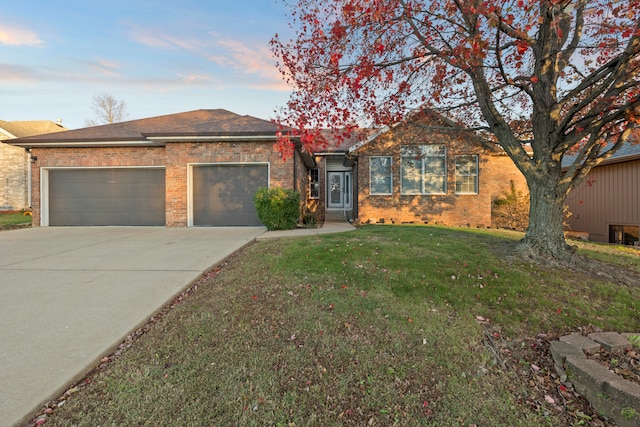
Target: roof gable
[[421, 123]]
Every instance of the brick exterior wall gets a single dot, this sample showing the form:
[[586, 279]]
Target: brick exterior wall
[[179, 155], [474, 210], [175, 157], [14, 186], [309, 207]]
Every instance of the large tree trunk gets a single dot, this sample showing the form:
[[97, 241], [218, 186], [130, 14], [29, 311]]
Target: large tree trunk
[[545, 234]]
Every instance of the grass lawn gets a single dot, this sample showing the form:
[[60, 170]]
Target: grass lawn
[[386, 325], [10, 220]]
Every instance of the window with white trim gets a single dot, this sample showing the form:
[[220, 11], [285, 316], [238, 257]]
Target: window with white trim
[[380, 181], [314, 184], [423, 169], [467, 174]]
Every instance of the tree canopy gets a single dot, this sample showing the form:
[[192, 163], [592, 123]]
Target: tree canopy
[[543, 79]]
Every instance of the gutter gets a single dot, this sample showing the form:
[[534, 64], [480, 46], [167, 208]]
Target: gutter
[[213, 138], [35, 143], [146, 141]]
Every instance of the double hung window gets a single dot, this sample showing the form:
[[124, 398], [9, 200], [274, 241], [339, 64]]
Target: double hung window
[[467, 174], [380, 175], [314, 184], [423, 169]]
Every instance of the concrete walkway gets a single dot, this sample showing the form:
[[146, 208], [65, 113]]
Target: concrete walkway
[[70, 295], [327, 228]]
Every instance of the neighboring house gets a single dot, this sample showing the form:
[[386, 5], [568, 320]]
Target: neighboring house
[[14, 162], [424, 170], [201, 168], [606, 204]]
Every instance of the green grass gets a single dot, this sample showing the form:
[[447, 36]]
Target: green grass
[[374, 326], [8, 220]]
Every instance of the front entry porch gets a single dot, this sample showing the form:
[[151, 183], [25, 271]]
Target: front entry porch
[[339, 206]]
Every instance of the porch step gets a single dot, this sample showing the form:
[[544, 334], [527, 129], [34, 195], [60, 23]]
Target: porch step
[[337, 215]]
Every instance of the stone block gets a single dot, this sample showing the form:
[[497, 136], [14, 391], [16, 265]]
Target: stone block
[[560, 350], [625, 393], [611, 341], [588, 375], [628, 335], [582, 342]]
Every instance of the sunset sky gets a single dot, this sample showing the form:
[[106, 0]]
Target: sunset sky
[[158, 57]]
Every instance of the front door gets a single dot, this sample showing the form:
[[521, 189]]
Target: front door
[[339, 190]]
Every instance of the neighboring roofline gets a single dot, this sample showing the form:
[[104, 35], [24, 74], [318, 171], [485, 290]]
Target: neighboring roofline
[[7, 133], [619, 157], [614, 160]]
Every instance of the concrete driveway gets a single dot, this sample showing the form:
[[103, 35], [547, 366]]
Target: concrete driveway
[[69, 296]]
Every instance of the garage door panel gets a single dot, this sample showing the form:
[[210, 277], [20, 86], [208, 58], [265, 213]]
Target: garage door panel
[[92, 197], [223, 194]]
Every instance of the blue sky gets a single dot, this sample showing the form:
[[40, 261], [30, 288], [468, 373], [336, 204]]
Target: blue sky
[[159, 57]]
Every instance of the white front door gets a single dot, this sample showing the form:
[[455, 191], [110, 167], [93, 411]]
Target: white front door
[[339, 190]]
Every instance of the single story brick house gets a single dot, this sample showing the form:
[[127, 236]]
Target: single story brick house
[[606, 204], [15, 190], [424, 170], [201, 168]]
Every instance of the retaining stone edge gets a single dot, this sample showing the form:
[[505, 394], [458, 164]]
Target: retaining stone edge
[[608, 393]]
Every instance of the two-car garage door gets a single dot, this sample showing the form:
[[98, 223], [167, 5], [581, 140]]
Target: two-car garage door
[[222, 195], [106, 196]]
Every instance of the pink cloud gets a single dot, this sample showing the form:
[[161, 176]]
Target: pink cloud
[[105, 67], [255, 60], [251, 60], [16, 73], [14, 36]]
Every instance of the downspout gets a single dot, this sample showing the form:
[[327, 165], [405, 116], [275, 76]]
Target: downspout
[[29, 165], [295, 173]]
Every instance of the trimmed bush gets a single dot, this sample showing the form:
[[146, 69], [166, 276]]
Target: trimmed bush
[[278, 208]]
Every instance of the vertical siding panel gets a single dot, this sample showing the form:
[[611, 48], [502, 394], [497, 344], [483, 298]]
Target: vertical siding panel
[[612, 198], [613, 195], [626, 195], [622, 193], [636, 186]]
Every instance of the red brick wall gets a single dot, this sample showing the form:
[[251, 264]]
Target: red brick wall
[[88, 157], [179, 155], [308, 206], [448, 209], [175, 157]]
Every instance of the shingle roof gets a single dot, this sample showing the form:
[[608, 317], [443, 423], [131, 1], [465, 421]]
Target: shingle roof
[[630, 150], [21, 129], [198, 123]]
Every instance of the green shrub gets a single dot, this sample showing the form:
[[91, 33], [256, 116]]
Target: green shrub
[[278, 208]]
